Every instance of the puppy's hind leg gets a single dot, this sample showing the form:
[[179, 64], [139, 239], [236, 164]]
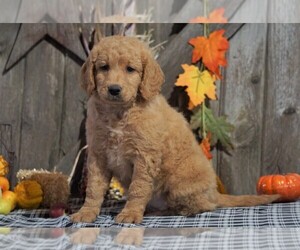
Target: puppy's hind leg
[[197, 204], [192, 203]]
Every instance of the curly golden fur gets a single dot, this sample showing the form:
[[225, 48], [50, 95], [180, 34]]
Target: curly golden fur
[[133, 134]]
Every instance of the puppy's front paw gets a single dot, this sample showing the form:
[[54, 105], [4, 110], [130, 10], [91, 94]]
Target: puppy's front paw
[[130, 236], [127, 216], [85, 214], [85, 236]]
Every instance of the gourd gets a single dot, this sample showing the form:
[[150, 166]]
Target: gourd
[[29, 194]]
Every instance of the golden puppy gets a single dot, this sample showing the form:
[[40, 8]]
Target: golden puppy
[[133, 134]]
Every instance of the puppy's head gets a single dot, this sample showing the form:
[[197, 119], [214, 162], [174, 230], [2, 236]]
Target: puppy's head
[[121, 70]]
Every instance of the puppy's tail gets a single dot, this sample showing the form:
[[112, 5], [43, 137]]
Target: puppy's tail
[[225, 200]]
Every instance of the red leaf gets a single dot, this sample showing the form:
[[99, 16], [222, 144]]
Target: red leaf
[[216, 16], [205, 146]]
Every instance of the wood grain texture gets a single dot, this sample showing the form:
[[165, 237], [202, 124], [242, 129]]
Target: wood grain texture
[[242, 95], [281, 141], [189, 10], [254, 11], [164, 10], [195, 8], [68, 11], [51, 11], [230, 6], [9, 10], [64, 36], [283, 11], [41, 11], [54, 11], [11, 91], [73, 107], [42, 102]]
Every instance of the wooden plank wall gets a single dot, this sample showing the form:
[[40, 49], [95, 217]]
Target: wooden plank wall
[[242, 100], [260, 94], [170, 11], [41, 98], [51, 11], [281, 138], [11, 88], [68, 11]]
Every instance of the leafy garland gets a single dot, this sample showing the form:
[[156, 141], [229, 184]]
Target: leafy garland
[[200, 78]]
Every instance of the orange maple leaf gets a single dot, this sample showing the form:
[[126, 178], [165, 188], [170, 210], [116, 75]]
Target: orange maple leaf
[[191, 105], [216, 16], [199, 84], [205, 146], [211, 50]]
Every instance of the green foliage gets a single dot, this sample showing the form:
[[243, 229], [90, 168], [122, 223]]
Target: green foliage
[[219, 127]]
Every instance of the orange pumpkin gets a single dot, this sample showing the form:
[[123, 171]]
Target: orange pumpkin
[[288, 186]]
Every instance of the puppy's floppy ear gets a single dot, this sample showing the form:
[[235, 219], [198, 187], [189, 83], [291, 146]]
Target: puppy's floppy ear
[[153, 78], [87, 80]]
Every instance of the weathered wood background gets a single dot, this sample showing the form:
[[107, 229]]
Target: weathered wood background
[[42, 106], [169, 11]]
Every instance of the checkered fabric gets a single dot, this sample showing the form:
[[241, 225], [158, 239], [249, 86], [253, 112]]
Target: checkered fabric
[[164, 239], [274, 226], [280, 215]]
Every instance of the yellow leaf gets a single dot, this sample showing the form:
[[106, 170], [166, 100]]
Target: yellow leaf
[[191, 106], [199, 84]]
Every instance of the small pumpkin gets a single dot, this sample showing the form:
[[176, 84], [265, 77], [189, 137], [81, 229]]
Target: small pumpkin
[[29, 194], [288, 186]]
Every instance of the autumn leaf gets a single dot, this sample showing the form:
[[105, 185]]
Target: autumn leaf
[[216, 16], [191, 106], [220, 186], [205, 146], [199, 84], [219, 127], [211, 50]]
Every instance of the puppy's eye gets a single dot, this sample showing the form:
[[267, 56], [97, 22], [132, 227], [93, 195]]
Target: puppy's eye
[[130, 69], [104, 67]]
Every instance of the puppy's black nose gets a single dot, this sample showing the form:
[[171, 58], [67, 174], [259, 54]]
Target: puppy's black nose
[[114, 89]]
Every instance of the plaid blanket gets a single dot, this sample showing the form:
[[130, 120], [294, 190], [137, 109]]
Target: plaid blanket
[[274, 226], [279, 215], [164, 239]]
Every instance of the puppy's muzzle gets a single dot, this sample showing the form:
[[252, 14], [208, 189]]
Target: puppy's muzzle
[[114, 90]]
